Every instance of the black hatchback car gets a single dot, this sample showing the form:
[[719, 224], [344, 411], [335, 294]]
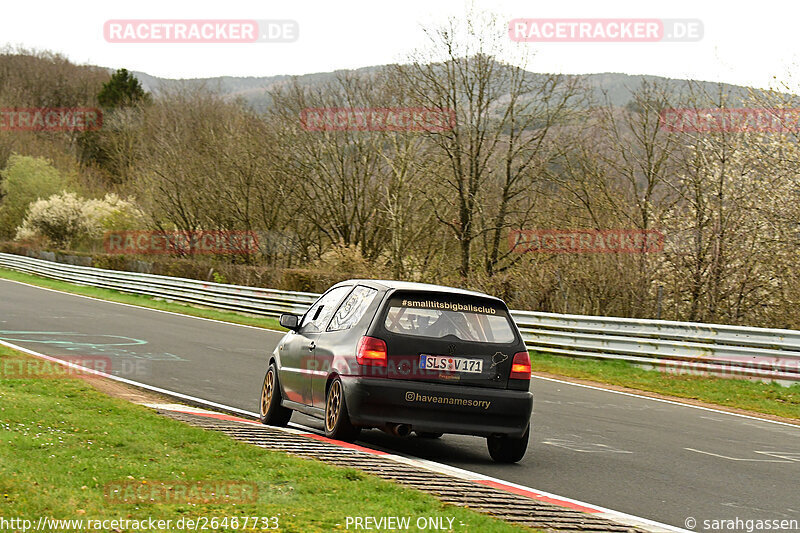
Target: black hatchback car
[[404, 357]]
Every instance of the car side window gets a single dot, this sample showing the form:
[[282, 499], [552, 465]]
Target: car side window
[[353, 308], [317, 317]]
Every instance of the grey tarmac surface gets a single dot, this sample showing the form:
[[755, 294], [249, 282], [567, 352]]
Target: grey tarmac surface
[[652, 459]]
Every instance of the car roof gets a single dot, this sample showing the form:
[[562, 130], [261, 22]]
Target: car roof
[[384, 284]]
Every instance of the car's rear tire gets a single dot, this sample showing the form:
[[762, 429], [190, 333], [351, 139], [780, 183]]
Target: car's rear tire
[[337, 420], [271, 410], [429, 435], [508, 449]]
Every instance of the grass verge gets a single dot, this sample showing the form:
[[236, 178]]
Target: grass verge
[[143, 301], [62, 442], [768, 398]]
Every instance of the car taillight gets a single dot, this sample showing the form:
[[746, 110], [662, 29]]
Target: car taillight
[[521, 366], [371, 351]]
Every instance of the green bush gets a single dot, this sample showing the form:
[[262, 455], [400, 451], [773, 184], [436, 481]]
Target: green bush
[[23, 181]]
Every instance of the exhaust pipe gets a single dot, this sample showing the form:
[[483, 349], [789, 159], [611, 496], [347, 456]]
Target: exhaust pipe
[[398, 430]]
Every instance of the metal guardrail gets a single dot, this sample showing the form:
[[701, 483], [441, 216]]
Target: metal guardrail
[[254, 300], [736, 351], [733, 351]]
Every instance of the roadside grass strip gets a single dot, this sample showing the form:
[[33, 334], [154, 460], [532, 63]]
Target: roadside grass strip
[[754, 396]]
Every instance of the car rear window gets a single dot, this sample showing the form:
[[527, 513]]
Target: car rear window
[[441, 316]]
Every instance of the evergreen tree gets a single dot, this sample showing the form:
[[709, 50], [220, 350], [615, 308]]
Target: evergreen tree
[[123, 89]]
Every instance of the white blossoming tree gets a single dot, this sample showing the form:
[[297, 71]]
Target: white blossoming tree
[[65, 218]]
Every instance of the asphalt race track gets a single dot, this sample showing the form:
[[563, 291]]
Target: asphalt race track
[[652, 459]]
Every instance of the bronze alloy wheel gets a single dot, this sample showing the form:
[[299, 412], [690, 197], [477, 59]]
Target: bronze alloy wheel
[[270, 408], [333, 406], [267, 391], [337, 419]]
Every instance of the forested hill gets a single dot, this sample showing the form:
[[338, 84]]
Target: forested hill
[[616, 86]]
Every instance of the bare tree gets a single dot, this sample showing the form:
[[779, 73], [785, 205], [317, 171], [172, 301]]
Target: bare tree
[[338, 174], [503, 116]]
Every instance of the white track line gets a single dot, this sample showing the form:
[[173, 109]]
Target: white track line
[[468, 475], [475, 477], [429, 465]]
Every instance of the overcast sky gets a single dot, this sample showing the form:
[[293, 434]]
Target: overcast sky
[[756, 46]]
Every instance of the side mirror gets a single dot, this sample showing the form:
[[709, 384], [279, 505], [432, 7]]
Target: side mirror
[[290, 321]]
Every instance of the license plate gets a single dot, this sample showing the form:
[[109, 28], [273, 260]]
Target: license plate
[[451, 364]]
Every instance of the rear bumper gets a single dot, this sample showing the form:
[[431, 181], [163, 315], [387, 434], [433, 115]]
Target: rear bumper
[[436, 407]]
